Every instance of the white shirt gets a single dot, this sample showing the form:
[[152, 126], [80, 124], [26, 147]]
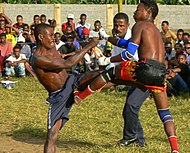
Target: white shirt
[[87, 25], [12, 58], [59, 44]]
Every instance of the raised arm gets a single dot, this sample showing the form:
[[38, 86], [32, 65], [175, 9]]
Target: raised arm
[[57, 64]]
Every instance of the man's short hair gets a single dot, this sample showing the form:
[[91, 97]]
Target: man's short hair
[[17, 47], [152, 5], [39, 29], [97, 21], [121, 16], [19, 16], [180, 30], [166, 22], [83, 15], [43, 16], [186, 34]]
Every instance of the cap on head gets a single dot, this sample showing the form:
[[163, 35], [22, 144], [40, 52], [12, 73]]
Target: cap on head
[[70, 16]]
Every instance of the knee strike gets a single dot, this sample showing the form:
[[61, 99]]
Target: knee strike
[[165, 115], [108, 75]]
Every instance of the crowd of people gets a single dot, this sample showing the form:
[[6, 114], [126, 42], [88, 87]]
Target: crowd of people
[[29, 49], [74, 36]]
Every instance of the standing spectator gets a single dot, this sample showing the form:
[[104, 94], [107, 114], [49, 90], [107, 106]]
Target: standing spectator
[[11, 34], [36, 20], [167, 34], [2, 26], [69, 22], [81, 25], [15, 64], [43, 18]]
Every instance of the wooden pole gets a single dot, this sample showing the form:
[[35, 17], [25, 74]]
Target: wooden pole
[[109, 17], [120, 3], [57, 15]]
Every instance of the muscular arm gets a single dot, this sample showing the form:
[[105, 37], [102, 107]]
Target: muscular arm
[[57, 63]]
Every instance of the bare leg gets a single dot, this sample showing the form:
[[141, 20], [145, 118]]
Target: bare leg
[[161, 101], [49, 146]]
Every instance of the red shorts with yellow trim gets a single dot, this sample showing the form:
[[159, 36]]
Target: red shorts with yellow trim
[[150, 73]]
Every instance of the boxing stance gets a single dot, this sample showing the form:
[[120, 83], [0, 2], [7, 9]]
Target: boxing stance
[[149, 72]]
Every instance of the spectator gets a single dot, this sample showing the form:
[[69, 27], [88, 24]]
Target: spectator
[[180, 36], [186, 37], [81, 25], [58, 42], [2, 26], [43, 18], [178, 47], [15, 64], [5, 18], [169, 52], [1, 65], [69, 22], [187, 52], [5, 47], [20, 24], [36, 20], [167, 34], [11, 33]]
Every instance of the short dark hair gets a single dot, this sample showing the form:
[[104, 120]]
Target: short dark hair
[[17, 47], [43, 15], [57, 33], [39, 29], [121, 16], [186, 33], [152, 5], [19, 16], [168, 42], [97, 21], [180, 30], [166, 22], [83, 15]]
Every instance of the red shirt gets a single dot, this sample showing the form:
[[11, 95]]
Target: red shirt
[[64, 26], [6, 49]]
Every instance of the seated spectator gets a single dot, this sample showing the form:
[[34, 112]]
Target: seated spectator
[[15, 64], [167, 34], [58, 42], [81, 25], [186, 37], [169, 52], [183, 69], [187, 52], [69, 48], [2, 26], [29, 39], [180, 36], [5, 18], [178, 47], [5, 47], [20, 23], [43, 18], [11, 34], [69, 22]]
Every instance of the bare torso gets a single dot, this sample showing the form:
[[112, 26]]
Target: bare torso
[[148, 37], [52, 80]]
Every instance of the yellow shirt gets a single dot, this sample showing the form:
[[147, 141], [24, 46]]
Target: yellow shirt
[[169, 36], [11, 38]]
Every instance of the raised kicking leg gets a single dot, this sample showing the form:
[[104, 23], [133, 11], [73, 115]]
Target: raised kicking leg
[[165, 116]]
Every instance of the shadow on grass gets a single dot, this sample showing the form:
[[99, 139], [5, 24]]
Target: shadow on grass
[[37, 136]]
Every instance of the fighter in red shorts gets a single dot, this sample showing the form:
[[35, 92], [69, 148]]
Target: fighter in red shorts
[[148, 72]]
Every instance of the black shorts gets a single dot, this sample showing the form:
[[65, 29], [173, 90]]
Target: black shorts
[[61, 101]]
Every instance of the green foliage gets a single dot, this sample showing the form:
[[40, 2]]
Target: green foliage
[[95, 125], [173, 2]]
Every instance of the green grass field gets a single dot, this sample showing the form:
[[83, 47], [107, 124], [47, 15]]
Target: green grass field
[[95, 125]]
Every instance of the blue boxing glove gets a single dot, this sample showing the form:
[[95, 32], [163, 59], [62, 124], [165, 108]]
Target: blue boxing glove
[[131, 52], [123, 43]]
